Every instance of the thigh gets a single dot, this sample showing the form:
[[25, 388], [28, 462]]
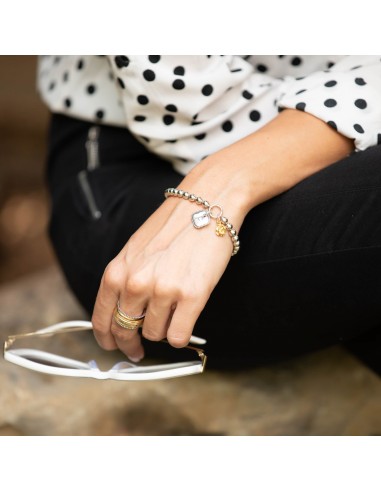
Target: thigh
[[308, 274]]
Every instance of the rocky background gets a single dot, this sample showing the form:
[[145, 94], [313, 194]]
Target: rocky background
[[327, 393]]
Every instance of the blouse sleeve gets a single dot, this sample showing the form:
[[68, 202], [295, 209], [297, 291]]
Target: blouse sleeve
[[347, 97], [186, 107]]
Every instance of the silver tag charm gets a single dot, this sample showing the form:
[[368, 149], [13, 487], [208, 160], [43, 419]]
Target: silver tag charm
[[200, 219]]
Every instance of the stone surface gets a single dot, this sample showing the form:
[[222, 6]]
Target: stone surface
[[327, 393]]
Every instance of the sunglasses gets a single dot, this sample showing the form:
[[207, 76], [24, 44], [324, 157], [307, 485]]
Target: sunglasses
[[48, 363]]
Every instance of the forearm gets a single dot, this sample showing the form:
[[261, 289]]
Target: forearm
[[268, 162]]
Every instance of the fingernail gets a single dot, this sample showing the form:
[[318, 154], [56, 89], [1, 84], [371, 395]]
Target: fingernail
[[135, 358]]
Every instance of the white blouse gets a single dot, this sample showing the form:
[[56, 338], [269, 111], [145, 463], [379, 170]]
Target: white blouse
[[184, 108]]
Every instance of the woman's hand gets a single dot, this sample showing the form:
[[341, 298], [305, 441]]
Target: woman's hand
[[168, 268], [171, 268]]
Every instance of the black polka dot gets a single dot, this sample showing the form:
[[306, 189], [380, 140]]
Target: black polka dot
[[200, 136], [296, 61], [142, 99], [80, 64], [179, 70], [330, 103], [67, 102], [300, 92], [330, 64], [111, 76], [236, 70], [358, 128], [330, 83], [301, 106], [149, 75], [100, 114], [195, 116], [65, 76], [196, 123], [122, 61], [207, 89], [146, 139], [170, 141], [90, 89], [255, 115], [332, 124], [51, 86], [360, 103], [57, 59], [356, 67], [139, 117], [247, 95], [281, 56], [168, 119], [121, 83], [178, 84], [171, 107], [261, 68], [227, 126], [299, 78], [182, 159], [154, 58], [360, 81]]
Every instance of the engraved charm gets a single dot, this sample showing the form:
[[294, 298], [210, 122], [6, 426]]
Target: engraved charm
[[200, 219], [220, 228]]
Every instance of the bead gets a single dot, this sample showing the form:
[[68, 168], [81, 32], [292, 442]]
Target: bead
[[186, 195], [233, 232], [181, 193], [200, 201], [224, 220], [237, 243], [193, 198], [206, 204], [229, 226], [235, 237]]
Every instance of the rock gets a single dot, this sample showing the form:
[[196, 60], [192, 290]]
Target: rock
[[326, 393]]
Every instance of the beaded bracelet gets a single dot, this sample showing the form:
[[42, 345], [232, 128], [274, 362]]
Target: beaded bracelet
[[202, 218]]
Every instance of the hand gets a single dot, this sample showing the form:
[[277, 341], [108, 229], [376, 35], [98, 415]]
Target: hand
[[168, 268]]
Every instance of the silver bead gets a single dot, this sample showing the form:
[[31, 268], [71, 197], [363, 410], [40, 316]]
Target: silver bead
[[200, 201], [229, 226], [224, 220], [186, 195], [206, 204], [232, 232], [235, 238], [237, 244], [180, 193], [193, 197]]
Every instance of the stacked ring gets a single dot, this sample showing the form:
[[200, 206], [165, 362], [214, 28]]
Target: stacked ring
[[126, 321]]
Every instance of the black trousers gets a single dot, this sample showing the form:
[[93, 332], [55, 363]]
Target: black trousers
[[308, 274]]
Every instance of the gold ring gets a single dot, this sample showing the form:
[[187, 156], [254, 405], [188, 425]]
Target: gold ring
[[129, 317], [125, 321]]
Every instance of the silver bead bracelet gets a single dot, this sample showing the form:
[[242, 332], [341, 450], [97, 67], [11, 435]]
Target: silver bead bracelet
[[202, 218]]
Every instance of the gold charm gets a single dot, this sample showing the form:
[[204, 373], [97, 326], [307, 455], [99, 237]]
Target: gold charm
[[220, 228]]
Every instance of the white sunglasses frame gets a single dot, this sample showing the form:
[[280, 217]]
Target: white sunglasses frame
[[80, 369]]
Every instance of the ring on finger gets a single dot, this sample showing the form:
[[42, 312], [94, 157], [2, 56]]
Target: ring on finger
[[126, 322]]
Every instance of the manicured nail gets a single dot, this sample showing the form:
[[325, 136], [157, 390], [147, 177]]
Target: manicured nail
[[135, 358]]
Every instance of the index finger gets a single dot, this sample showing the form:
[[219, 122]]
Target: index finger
[[107, 298]]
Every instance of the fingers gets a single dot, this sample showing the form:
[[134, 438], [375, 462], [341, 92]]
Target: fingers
[[183, 320], [132, 302], [157, 318], [105, 303]]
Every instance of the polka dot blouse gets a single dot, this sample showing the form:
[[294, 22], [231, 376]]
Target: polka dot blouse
[[184, 108]]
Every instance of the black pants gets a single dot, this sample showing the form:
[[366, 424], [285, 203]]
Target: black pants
[[308, 274]]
